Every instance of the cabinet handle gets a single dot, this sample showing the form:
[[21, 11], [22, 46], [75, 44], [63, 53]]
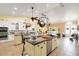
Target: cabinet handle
[[41, 47]]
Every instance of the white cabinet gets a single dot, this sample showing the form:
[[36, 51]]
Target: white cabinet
[[54, 43], [40, 49], [29, 49], [43, 48], [36, 50]]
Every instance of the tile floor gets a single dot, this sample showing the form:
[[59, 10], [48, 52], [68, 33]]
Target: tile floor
[[65, 48], [9, 49]]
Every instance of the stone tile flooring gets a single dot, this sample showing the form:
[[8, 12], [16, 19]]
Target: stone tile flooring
[[65, 48], [9, 49]]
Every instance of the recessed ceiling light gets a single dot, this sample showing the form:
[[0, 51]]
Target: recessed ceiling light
[[47, 5], [13, 12], [15, 8]]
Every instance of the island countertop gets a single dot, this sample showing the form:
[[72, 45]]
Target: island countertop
[[39, 40]]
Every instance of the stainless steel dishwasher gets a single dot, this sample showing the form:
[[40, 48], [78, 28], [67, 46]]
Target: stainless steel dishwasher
[[49, 46]]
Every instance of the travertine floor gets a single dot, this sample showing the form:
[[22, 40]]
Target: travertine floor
[[65, 48], [9, 49]]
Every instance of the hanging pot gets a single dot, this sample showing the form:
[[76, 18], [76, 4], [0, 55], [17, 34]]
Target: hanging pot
[[41, 23]]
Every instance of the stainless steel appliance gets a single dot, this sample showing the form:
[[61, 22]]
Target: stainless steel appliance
[[3, 33]]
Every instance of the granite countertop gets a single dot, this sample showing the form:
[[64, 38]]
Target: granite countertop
[[39, 40]]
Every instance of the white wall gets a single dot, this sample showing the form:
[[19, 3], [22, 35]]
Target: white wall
[[70, 25]]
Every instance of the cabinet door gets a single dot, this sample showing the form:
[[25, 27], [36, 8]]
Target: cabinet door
[[53, 44], [37, 50], [31, 49], [40, 49], [43, 49]]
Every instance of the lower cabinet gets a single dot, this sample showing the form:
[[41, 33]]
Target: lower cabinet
[[41, 49], [54, 43], [36, 50], [44, 49], [29, 49]]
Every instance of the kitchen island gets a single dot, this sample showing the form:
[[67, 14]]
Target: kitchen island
[[42, 46]]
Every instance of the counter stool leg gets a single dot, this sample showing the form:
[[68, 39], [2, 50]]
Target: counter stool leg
[[23, 49]]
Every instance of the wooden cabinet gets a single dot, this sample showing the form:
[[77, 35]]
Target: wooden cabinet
[[38, 50], [54, 43], [41, 49], [29, 49]]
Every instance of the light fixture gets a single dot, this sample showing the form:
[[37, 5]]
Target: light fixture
[[47, 5], [15, 8], [33, 18]]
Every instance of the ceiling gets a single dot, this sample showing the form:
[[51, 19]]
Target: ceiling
[[56, 12], [69, 12], [23, 9]]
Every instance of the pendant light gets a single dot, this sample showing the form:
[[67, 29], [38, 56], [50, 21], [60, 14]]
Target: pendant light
[[33, 18]]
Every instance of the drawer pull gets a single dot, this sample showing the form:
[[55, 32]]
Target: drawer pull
[[41, 47]]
